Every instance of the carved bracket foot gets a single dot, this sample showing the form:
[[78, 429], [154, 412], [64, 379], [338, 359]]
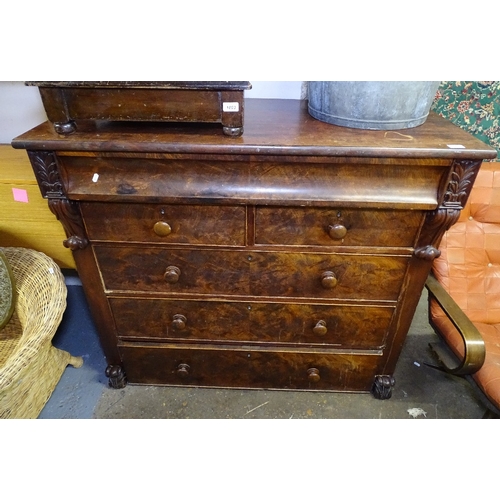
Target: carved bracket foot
[[233, 131], [117, 378], [382, 386], [65, 128]]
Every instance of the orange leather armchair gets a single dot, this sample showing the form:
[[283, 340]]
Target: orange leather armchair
[[468, 319]]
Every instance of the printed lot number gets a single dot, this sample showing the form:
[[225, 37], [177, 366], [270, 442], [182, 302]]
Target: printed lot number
[[230, 107]]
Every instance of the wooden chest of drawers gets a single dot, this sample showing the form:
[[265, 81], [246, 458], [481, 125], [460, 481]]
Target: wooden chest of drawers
[[292, 257]]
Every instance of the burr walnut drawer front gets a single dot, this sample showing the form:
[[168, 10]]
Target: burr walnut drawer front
[[362, 327], [279, 182], [330, 227], [208, 366], [163, 223], [251, 273]]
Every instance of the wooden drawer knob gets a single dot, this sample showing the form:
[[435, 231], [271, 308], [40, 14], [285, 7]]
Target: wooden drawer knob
[[337, 231], [172, 274], [183, 370], [313, 375], [320, 328], [328, 280], [162, 228], [179, 322]]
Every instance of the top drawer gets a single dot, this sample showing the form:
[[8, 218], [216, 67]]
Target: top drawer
[[233, 180], [162, 223], [333, 227]]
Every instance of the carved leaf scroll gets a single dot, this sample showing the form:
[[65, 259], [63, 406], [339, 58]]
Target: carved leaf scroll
[[460, 185], [455, 198], [47, 174], [46, 171]]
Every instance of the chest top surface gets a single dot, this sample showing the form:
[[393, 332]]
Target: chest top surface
[[272, 127]]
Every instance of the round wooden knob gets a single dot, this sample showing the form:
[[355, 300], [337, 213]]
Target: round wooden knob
[[179, 322], [172, 274], [337, 231], [313, 375], [328, 280], [183, 370], [162, 228], [320, 328]]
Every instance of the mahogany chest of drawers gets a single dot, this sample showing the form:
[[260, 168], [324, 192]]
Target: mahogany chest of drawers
[[292, 257]]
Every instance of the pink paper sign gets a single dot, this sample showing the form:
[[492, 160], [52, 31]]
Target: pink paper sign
[[20, 195]]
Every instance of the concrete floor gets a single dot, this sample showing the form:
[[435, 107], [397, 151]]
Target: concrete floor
[[420, 391]]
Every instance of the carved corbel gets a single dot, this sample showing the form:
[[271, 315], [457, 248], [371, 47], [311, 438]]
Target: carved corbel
[[68, 214], [463, 175], [46, 171], [437, 222]]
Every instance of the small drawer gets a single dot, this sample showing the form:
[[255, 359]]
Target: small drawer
[[333, 227], [362, 327], [159, 223], [205, 366], [259, 274]]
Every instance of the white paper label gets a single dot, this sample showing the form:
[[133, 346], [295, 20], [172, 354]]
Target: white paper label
[[455, 146], [95, 177], [230, 107]]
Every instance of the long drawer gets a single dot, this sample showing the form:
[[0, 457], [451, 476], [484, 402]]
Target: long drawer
[[349, 326], [207, 366], [251, 273], [371, 183]]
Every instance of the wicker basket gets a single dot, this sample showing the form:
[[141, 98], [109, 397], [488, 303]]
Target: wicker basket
[[30, 366]]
